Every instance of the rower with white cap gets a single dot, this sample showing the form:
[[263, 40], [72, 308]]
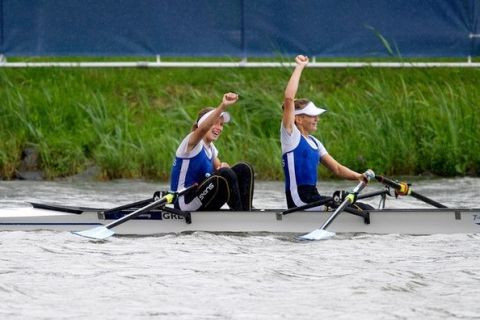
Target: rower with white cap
[[196, 161], [302, 152]]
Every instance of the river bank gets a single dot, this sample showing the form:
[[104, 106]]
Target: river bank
[[127, 123]]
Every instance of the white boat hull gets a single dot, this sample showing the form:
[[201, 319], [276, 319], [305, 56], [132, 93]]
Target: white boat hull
[[396, 221]]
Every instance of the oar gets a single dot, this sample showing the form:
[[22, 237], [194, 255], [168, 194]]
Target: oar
[[327, 200], [404, 189], [103, 232], [130, 205], [140, 203], [321, 233], [308, 205], [372, 194]]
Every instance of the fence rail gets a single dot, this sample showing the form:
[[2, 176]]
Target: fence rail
[[241, 64]]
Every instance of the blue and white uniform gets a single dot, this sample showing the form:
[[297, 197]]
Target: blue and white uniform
[[191, 167], [300, 158]]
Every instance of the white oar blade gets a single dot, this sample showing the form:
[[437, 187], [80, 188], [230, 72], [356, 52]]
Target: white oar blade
[[99, 233], [317, 234]]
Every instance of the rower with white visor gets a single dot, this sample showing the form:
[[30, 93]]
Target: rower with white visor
[[196, 162], [301, 151]]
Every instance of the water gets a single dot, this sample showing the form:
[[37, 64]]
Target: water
[[55, 275]]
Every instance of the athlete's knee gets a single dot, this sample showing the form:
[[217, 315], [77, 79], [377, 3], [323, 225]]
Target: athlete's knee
[[243, 168], [227, 173]]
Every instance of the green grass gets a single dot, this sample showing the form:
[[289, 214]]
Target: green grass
[[128, 122]]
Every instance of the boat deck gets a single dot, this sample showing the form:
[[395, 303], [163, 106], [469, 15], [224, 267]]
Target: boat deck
[[385, 221]]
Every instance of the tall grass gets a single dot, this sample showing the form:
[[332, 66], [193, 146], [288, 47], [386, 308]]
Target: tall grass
[[128, 122], [410, 122]]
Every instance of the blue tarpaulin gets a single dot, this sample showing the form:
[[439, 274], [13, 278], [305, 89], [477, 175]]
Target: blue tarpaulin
[[240, 28]]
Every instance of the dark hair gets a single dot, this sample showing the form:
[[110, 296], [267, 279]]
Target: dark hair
[[201, 113]]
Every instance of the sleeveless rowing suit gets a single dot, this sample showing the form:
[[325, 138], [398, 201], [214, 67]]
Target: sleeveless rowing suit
[[300, 158], [191, 167]]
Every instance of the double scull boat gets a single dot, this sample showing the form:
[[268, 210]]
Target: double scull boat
[[166, 220], [156, 216]]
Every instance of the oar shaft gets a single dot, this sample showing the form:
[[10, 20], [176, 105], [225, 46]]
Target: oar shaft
[[350, 198], [321, 233], [309, 205], [140, 203], [330, 199], [426, 200], [397, 186], [332, 217], [166, 199], [104, 231], [136, 213], [388, 182], [372, 194]]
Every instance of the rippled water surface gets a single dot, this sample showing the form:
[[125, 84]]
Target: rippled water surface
[[55, 275]]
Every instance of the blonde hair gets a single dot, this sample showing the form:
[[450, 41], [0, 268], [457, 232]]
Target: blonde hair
[[299, 104]]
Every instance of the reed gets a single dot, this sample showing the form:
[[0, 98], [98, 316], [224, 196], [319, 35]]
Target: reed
[[128, 122]]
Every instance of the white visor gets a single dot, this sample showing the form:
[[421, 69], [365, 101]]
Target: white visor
[[225, 115], [310, 110]]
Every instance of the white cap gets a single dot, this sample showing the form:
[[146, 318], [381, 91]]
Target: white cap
[[310, 110], [225, 115]]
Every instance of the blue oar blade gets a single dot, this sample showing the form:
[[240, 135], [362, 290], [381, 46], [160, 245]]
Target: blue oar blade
[[99, 233], [317, 234]]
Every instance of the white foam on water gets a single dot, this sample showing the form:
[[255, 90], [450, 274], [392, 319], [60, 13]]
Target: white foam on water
[[55, 275]]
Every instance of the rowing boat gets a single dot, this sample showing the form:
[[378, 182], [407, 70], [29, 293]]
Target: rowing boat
[[419, 221]]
